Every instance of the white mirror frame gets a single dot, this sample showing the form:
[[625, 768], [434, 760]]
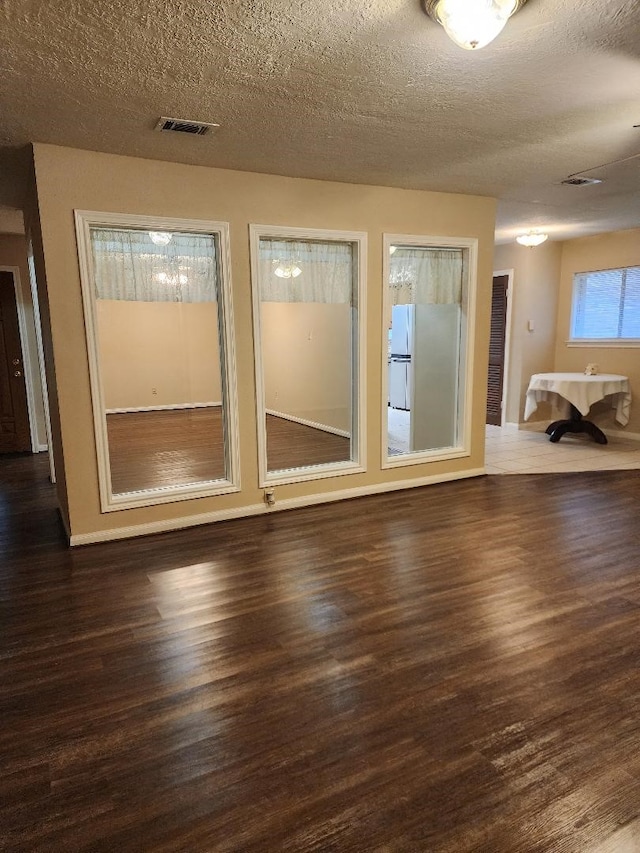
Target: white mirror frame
[[465, 390], [358, 400], [109, 502]]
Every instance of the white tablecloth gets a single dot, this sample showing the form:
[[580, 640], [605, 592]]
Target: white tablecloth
[[581, 391]]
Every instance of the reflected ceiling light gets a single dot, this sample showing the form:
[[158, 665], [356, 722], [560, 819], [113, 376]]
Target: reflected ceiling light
[[287, 271], [532, 238], [472, 24], [164, 278], [160, 238]]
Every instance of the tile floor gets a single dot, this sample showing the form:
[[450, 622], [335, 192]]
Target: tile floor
[[529, 451], [513, 451]]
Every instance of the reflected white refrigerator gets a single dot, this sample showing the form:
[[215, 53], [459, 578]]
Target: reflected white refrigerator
[[400, 369]]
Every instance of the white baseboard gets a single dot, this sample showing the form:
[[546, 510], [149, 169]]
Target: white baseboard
[[262, 508], [169, 406], [313, 424], [41, 448]]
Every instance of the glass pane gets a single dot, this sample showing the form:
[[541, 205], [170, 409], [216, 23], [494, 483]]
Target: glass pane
[[597, 303], [160, 358], [426, 342], [307, 319]]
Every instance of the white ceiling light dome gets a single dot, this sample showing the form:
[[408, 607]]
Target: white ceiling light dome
[[472, 24], [532, 238], [160, 238]]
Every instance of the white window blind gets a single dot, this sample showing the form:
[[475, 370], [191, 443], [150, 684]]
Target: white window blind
[[606, 305]]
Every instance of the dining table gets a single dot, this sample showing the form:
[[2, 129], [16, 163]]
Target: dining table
[[574, 394]]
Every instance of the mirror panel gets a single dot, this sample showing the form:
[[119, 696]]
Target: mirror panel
[[427, 310], [159, 336], [306, 307]]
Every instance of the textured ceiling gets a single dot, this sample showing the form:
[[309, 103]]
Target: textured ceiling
[[369, 92]]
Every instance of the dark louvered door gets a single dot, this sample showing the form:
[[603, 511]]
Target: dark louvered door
[[14, 415], [496, 349]]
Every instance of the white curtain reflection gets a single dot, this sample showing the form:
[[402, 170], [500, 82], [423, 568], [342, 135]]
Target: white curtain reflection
[[425, 276], [129, 265], [305, 271]]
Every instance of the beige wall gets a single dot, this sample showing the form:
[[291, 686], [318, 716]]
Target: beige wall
[[306, 352], [169, 348], [69, 179], [13, 253], [605, 251], [534, 296]]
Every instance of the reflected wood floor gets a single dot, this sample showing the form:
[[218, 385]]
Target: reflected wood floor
[[294, 445], [149, 450], [443, 670]]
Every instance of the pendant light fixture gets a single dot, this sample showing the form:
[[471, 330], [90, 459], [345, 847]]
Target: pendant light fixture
[[287, 270], [472, 24]]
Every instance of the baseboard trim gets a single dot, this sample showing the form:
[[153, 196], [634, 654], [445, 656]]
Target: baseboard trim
[[41, 448], [169, 406], [313, 424], [262, 509]]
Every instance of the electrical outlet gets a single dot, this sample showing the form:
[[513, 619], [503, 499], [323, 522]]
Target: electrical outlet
[[154, 391], [269, 497]]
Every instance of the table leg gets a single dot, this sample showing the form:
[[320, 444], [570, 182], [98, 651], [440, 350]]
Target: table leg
[[575, 424]]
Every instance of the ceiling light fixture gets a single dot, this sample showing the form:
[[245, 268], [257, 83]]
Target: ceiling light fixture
[[160, 238], [472, 24], [532, 238], [287, 271]]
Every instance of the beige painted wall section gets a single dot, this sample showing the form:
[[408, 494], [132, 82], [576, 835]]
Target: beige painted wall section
[[169, 348], [536, 276], [68, 179], [604, 251], [306, 359], [13, 253]]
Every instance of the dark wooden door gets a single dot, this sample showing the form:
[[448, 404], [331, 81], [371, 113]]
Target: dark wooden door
[[14, 415], [496, 349]]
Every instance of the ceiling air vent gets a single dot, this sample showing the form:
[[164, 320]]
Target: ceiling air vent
[[181, 125], [578, 181]]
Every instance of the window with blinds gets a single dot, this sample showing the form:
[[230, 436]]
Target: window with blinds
[[606, 305]]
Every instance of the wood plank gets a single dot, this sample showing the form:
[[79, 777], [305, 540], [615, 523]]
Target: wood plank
[[447, 669]]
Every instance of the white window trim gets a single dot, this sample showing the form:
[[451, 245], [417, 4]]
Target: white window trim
[[110, 502], [358, 401], [463, 448]]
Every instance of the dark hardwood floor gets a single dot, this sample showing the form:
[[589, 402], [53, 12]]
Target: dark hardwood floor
[[447, 669]]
